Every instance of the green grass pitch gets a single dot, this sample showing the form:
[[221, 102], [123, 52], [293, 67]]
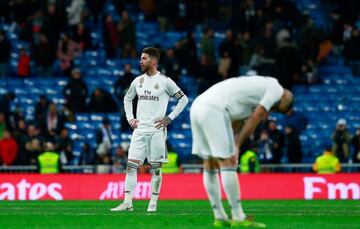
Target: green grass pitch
[[317, 214]]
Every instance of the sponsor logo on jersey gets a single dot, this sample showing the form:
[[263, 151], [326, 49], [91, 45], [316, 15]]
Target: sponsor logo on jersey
[[147, 96]]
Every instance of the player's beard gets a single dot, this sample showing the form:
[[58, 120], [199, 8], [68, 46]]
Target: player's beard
[[145, 68]]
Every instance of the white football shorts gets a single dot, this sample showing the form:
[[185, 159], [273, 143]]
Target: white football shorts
[[151, 146], [213, 136]]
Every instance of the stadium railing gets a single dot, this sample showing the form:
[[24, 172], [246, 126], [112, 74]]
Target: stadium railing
[[187, 168]]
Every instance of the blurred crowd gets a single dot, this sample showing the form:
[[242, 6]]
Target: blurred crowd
[[265, 37]]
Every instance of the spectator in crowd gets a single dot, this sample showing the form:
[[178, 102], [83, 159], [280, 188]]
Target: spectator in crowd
[[64, 146], [56, 24], [207, 46], [5, 47], [171, 67], [120, 157], [341, 141], [288, 64], [20, 137], [75, 12], [356, 146], [309, 74], [76, 92], [102, 101], [174, 163], [43, 57], [127, 38], [327, 163], [8, 148], [53, 123], [123, 82], [67, 50], [293, 145], [228, 56], [277, 138], [5, 103], [245, 46], [33, 144], [49, 161], [3, 124], [67, 113], [82, 37], [87, 156], [265, 147], [104, 141], [35, 25], [296, 119], [249, 162], [352, 52], [309, 40], [121, 86], [267, 40], [23, 69], [260, 63], [186, 53], [41, 107], [111, 38], [207, 74], [95, 8]]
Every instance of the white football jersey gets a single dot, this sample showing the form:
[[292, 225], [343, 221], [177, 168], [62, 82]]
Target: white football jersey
[[240, 96], [153, 94]]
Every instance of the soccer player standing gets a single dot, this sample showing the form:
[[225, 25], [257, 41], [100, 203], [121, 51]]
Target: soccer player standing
[[149, 136], [219, 129]]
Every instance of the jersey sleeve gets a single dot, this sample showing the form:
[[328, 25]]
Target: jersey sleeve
[[173, 89], [128, 98], [272, 95]]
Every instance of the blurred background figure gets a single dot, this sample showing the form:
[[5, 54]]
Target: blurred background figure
[[293, 145], [174, 163], [49, 161], [76, 92], [8, 148], [120, 158], [104, 142], [5, 47], [356, 146], [102, 101], [249, 162], [327, 163], [23, 64], [341, 141]]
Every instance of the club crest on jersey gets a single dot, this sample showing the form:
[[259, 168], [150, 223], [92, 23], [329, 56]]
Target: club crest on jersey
[[141, 81], [156, 86]]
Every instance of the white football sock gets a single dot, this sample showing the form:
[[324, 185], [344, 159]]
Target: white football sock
[[212, 186], [230, 182], [130, 181], [156, 178]]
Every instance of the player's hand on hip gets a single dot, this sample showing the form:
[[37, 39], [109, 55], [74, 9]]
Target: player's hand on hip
[[134, 123], [163, 122]]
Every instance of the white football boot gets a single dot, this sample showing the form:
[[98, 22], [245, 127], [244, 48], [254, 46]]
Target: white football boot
[[125, 206], [152, 206]]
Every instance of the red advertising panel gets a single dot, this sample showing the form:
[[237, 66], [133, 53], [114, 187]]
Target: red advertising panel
[[179, 186]]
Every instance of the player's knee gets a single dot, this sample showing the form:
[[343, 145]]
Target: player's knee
[[155, 168], [229, 162], [131, 167]]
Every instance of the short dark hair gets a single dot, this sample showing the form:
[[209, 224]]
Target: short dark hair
[[152, 52]]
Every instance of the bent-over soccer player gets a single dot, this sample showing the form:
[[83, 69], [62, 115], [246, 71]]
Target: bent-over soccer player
[[219, 129]]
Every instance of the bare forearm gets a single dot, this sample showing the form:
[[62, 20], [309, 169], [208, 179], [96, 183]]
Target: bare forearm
[[250, 125]]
